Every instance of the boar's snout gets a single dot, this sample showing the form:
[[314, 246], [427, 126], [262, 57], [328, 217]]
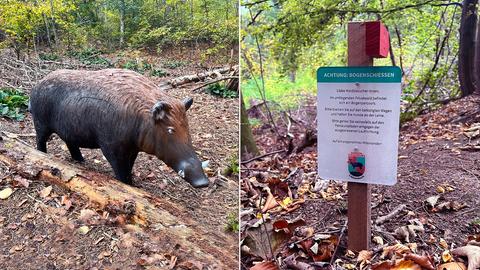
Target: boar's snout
[[191, 170]]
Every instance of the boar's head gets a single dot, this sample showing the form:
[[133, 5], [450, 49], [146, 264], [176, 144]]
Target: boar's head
[[173, 142]]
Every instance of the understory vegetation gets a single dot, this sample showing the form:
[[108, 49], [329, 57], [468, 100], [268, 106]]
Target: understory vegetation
[[13, 103]]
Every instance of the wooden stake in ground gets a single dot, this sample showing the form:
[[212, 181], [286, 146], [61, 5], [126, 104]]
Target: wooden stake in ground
[[170, 221], [359, 195]]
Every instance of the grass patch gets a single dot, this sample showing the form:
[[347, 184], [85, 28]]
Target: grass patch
[[233, 167], [232, 223], [280, 89], [218, 89], [13, 104]]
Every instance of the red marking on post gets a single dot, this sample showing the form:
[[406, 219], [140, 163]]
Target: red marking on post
[[377, 40]]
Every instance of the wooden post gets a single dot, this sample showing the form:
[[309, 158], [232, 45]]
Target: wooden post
[[359, 195]]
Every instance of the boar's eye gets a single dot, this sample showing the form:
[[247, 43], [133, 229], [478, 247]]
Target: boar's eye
[[170, 130]]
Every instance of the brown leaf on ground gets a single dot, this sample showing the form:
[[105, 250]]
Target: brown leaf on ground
[[287, 226], [385, 265], [269, 265], [446, 256], [269, 203], [472, 253], [452, 266], [398, 249], [364, 256], [279, 188], [406, 265], [45, 192], [423, 261], [263, 238], [449, 206], [20, 182]]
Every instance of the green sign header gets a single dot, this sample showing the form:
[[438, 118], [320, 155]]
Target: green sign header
[[359, 74]]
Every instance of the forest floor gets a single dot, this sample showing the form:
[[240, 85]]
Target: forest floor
[[303, 226], [38, 230]]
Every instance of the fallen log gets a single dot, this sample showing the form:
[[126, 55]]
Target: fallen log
[[217, 73], [167, 221]]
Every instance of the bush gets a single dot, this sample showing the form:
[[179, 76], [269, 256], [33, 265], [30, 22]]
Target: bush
[[91, 56], [13, 104], [220, 90], [140, 67], [49, 56], [157, 72]]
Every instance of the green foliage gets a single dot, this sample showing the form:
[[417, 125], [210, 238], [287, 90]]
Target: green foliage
[[138, 66], [254, 122], [220, 90], [280, 89], [13, 104], [144, 67], [407, 116], [232, 222], [234, 166], [298, 36], [91, 56], [174, 64], [148, 24], [158, 72], [49, 56], [150, 38]]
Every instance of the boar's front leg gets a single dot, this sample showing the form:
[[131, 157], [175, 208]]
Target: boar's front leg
[[43, 134], [75, 152], [121, 161]]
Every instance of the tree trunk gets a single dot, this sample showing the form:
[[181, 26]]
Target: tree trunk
[[122, 21], [247, 142], [466, 59], [400, 49], [170, 222], [292, 75], [476, 69], [55, 37]]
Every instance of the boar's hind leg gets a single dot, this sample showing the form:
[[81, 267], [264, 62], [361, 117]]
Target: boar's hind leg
[[121, 162], [75, 152]]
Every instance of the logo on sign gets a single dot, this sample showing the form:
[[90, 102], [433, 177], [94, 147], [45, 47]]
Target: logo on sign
[[356, 164]]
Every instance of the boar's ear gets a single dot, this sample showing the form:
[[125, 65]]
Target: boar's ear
[[188, 103], [160, 110]]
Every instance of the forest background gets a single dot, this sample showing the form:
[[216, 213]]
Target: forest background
[[294, 38], [115, 24]]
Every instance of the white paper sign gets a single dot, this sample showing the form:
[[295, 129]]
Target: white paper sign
[[358, 112]]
